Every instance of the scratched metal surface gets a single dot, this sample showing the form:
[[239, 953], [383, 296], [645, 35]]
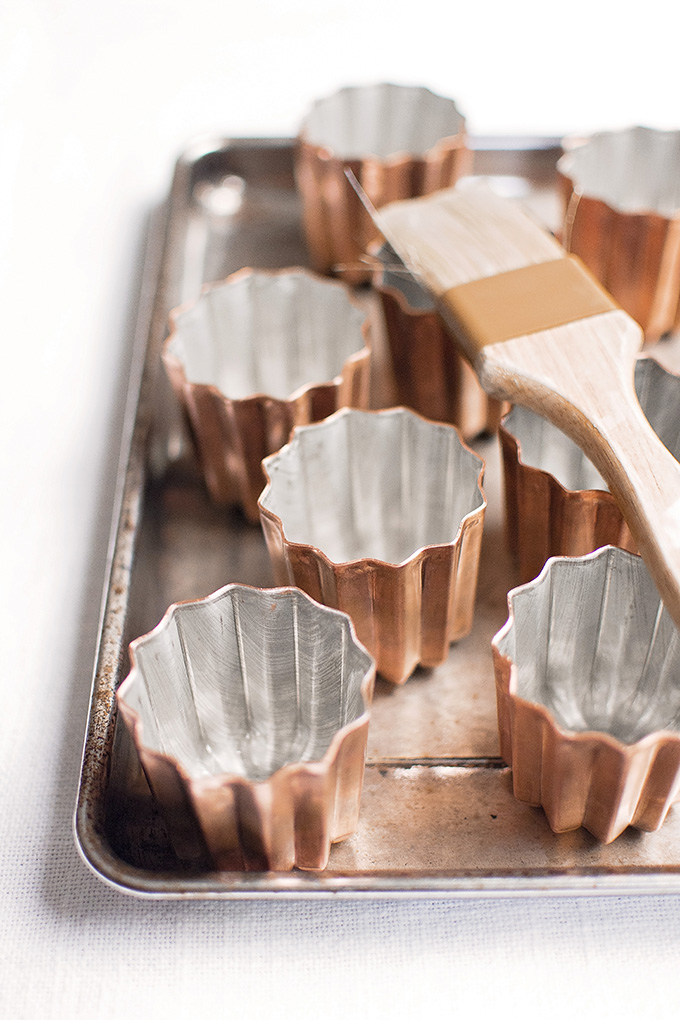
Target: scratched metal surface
[[438, 817]]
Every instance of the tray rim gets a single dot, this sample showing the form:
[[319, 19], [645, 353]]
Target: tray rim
[[127, 512]]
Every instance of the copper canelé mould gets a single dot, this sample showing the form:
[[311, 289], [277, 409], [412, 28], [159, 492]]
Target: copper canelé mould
[[254, 355], [399, 141], [587, 676], [380, 514], [622, 217], [556, 502], [249, 711], [432, 376]]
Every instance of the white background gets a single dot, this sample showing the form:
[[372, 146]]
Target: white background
[[96, 101]]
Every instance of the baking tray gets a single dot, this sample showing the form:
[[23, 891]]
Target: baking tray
[[438, 817]]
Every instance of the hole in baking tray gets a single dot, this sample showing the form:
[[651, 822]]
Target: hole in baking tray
[[223, 197]]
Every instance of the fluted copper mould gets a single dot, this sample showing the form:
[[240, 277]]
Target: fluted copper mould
[[621, 194], [399, 141], [431, 375], [249, 710], [380, 514], [588, 695], [556, 503], [256, 354]]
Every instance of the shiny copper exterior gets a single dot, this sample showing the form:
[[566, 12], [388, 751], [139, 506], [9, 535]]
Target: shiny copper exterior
[[253, 819], [431, 375], [545, 519], [336, 224], [590, 777], [547, 516], [635, 253], [234, 435], [406, 613]]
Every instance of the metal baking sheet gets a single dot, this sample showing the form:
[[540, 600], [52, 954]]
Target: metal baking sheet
[[438, 817]]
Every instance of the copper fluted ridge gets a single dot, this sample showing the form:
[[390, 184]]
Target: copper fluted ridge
[[621, 194], [255, 355], [380, 514], [588, 697], [249, 711], [399, 141], [431, 375], [556, 503]]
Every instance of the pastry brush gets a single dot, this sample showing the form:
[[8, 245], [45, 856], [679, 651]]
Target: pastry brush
[[540, 331]]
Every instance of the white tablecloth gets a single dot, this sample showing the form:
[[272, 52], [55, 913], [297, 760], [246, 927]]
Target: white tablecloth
[[97, 100]]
